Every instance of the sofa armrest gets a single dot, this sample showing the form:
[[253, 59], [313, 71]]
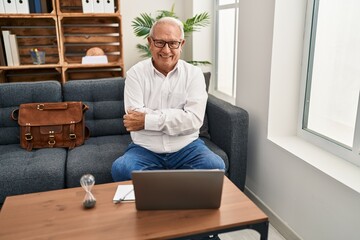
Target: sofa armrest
[[228, 128]]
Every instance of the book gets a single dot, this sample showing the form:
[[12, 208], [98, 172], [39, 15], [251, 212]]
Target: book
[[88, 6], [44, 6], [10, 6], [37, 4], [14, 50], [94, 59], [32, 6], [22, 6], [124, 193], [98, 6], [109, 6], [6, 39], [49, 6], [2, 7], [2, 51]]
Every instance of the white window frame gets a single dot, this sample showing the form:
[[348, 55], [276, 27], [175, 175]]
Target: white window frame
[[229, 98], [350, 154], [284, 106]]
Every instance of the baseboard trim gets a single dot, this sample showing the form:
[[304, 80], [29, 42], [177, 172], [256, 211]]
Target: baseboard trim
[[282, 227]]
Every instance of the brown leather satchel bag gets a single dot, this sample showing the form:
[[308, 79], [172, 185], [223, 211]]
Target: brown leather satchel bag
[[55, 124]]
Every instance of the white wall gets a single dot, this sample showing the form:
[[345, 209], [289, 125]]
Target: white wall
[[203, 40], [311, 202]]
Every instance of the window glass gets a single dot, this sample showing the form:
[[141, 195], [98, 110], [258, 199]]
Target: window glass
[[334, 72], [226, 51], [224, 2]]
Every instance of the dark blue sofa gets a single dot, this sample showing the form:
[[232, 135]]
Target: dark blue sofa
[[49, 169]]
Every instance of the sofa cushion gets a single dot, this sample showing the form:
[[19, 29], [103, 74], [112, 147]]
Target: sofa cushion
[[105, 98], [204, 130], [23, 172], [14, 94], [95, 157]]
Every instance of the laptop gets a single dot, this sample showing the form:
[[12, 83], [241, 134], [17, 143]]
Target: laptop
[[177, 189]]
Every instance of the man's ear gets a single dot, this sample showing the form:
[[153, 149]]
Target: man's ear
[[183, 42], [149, 40]]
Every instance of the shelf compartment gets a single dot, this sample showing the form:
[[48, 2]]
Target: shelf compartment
[[30, 75], [92, 73], [47, 8], [34, 33], [79, 34], [75, 6]]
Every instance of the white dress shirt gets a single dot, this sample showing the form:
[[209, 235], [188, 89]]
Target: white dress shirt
[[174, 104]]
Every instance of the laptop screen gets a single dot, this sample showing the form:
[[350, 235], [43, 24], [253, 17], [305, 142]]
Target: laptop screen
[[177, 189]]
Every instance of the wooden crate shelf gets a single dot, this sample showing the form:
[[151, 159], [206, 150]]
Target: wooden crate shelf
[[32, 33], [79, 34], [65, 33]]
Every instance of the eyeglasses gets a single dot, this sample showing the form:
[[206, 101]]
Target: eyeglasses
[[171, 44]]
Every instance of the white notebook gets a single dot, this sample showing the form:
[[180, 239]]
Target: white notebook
[[124, 193]]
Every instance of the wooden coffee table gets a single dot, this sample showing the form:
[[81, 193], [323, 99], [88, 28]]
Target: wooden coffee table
[[59, 215]]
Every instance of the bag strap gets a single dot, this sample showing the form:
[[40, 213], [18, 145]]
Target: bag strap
[[87, 132], [52, 106], [28, 138], [72, 135], [85, 107], [51, 141], [15, 114]]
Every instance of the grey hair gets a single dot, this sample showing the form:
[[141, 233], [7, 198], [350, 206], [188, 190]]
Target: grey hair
[[170, 20]]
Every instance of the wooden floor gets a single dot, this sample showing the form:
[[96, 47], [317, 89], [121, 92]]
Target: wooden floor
[[251, 235]]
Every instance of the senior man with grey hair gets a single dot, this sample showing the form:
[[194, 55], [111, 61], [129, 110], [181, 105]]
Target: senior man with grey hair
[[165, 100]]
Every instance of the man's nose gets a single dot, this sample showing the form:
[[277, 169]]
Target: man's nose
[[166, 47]]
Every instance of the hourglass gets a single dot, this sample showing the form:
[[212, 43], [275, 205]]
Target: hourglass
[[87, 181]]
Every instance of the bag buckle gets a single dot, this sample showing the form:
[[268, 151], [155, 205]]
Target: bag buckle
[[51, 141], [40, 107], [72, 136], [28, 137]]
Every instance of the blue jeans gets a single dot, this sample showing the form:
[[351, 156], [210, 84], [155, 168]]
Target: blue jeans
[[195, 155]]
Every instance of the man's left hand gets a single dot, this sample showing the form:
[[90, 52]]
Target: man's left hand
[[134, 121]]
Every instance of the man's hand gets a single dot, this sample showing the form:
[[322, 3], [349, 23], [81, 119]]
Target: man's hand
[[134, 121]]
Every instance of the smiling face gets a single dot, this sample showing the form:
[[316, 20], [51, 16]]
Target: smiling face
[[165, 58]]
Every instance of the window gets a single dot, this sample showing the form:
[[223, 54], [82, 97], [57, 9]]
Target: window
[[331, 114], [226, 46]]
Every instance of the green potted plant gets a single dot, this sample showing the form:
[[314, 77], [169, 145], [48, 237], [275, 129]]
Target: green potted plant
[[143, 24]]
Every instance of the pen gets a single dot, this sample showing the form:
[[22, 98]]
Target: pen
[[123, 198]]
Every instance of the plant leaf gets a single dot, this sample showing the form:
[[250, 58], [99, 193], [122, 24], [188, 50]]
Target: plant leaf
[[195, 23], [165, 13], [144, 49], [197, 63], [142, 25]]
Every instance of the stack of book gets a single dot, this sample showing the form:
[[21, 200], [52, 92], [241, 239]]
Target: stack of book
[[98, 6], [9, 50], [25, 6]]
